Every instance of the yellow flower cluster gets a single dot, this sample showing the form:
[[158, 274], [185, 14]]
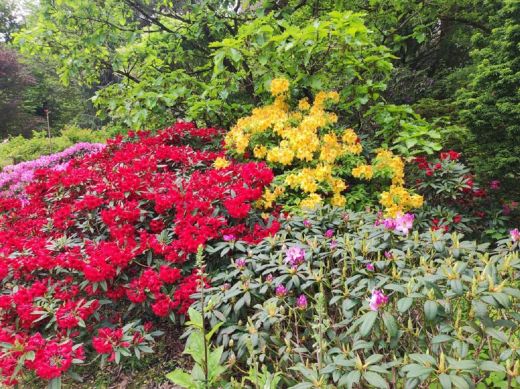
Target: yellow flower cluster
[[221, 163], [302, 141], [397, 199]]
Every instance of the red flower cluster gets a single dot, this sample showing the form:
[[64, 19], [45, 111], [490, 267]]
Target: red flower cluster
[[120, 226], [454, 197]]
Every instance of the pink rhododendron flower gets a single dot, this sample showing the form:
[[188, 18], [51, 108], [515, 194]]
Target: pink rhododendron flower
[[281, 290], [295, 256], [377, 300], [370, 267], [301, 302], [402, 223], [515, 235], [229, 237], [240, 263]]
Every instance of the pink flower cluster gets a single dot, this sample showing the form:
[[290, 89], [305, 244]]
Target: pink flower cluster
[[377, 300], [515, 235], [14, 178], [295, 256], [402, 223]]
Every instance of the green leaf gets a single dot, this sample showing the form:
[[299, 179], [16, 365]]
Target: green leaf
[[195, 318], [491, 366], [181, 378], [445, 381], [55, 383], [390, 324], [375, 380], [350, 379], [459, 382], [404, 304], [369, 319], [430, 310], [417, 371]]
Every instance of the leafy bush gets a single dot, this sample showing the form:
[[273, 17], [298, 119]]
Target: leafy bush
[[107, 243], [311, 156], [455, 200], [20, 149], [14, 178], [335, 299]]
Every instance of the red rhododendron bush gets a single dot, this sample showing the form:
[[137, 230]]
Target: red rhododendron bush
[[112, 239]]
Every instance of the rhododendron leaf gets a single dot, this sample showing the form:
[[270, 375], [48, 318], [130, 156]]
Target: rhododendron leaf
[[497, 334], [445, 381], [55, 383], [415, 371], [390, 324], [375, 379], [502, 299], [441, 338], [368, 320], [145, 349], [491, 366], [350, 379], [404, 304], [430, 310], [459, 382]]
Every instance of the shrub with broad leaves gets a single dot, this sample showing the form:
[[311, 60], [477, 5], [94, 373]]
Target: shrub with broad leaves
[[338, 299], [457, 200]]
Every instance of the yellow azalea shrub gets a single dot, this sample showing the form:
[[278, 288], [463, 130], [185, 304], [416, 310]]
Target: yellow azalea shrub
[[307, 152], [397, 199]]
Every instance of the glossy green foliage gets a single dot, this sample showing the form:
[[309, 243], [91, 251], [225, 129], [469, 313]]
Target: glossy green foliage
[[450, 319]]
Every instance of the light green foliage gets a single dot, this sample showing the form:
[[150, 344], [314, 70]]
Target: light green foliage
[[451, 319], [404, 131], [207, 61], [207, 371], [334, 52], [19, 149]]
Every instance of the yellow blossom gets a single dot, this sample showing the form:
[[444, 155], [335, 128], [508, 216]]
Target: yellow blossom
[[221, 163], [279, 86], [338, 200], [350, 137], [260, 151], [363, 171], [303, 104], [312, 201]]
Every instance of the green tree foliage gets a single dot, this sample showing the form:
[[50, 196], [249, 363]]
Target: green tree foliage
[[9, 23], [208, 60], [490, 101]]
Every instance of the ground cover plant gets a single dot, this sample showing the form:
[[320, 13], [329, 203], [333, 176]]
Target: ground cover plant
[[109, 239]]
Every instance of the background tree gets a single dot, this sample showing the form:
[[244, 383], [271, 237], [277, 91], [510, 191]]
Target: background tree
[[14, 77], [490, 99]]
